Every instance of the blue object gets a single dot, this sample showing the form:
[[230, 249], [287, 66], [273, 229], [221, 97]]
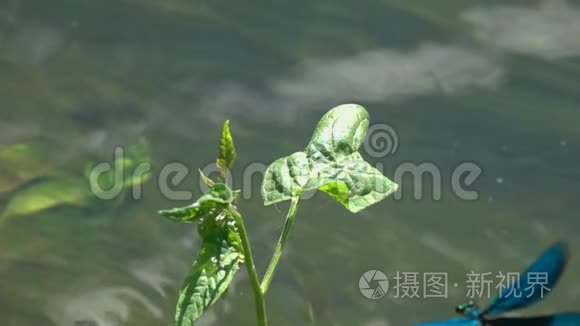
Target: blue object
[[524, 293]]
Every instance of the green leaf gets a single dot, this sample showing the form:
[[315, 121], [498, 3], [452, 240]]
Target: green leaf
[[210, 204], [219, 259], [47, 194], [331, 163], [286, 178], [134, 156], [339, 133], [227, 152], [21, 163], [205, 178]]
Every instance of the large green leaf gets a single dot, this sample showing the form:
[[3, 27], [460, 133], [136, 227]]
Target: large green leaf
[[61, 191], [331, 163], [47, 194], [21, 163], [227, 152], [219, 259], [210, 204]]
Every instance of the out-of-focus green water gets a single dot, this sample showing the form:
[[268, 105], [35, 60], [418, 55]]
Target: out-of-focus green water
[[494, 84]]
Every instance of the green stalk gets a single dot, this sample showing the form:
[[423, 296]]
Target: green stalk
[[280, 246], [249, 258]]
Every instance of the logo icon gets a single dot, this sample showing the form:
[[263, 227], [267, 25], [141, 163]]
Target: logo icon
[[373, 284], [382, 140]]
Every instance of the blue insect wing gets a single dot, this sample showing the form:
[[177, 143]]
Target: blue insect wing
[[535, 283], [565, 319], [473, 313], [461, 321]]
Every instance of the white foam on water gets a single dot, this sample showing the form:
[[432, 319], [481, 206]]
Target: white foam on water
[[153, 274], [383, 74], [372, 75], [548, 30], [31, 44], [108, 306], [451, 252]]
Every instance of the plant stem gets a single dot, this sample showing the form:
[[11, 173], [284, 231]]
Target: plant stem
[[280, 246], [249, 258]]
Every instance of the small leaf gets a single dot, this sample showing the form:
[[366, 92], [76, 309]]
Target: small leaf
[[47, 194], [236, 193], [209, 204], [205, 178], [330, 163], [227, 152], [219, 259]]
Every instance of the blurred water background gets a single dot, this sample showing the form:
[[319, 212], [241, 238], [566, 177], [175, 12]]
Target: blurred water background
[[495, 83]]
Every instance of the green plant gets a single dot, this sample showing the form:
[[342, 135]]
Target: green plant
[[330, 163], [55, 189]]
